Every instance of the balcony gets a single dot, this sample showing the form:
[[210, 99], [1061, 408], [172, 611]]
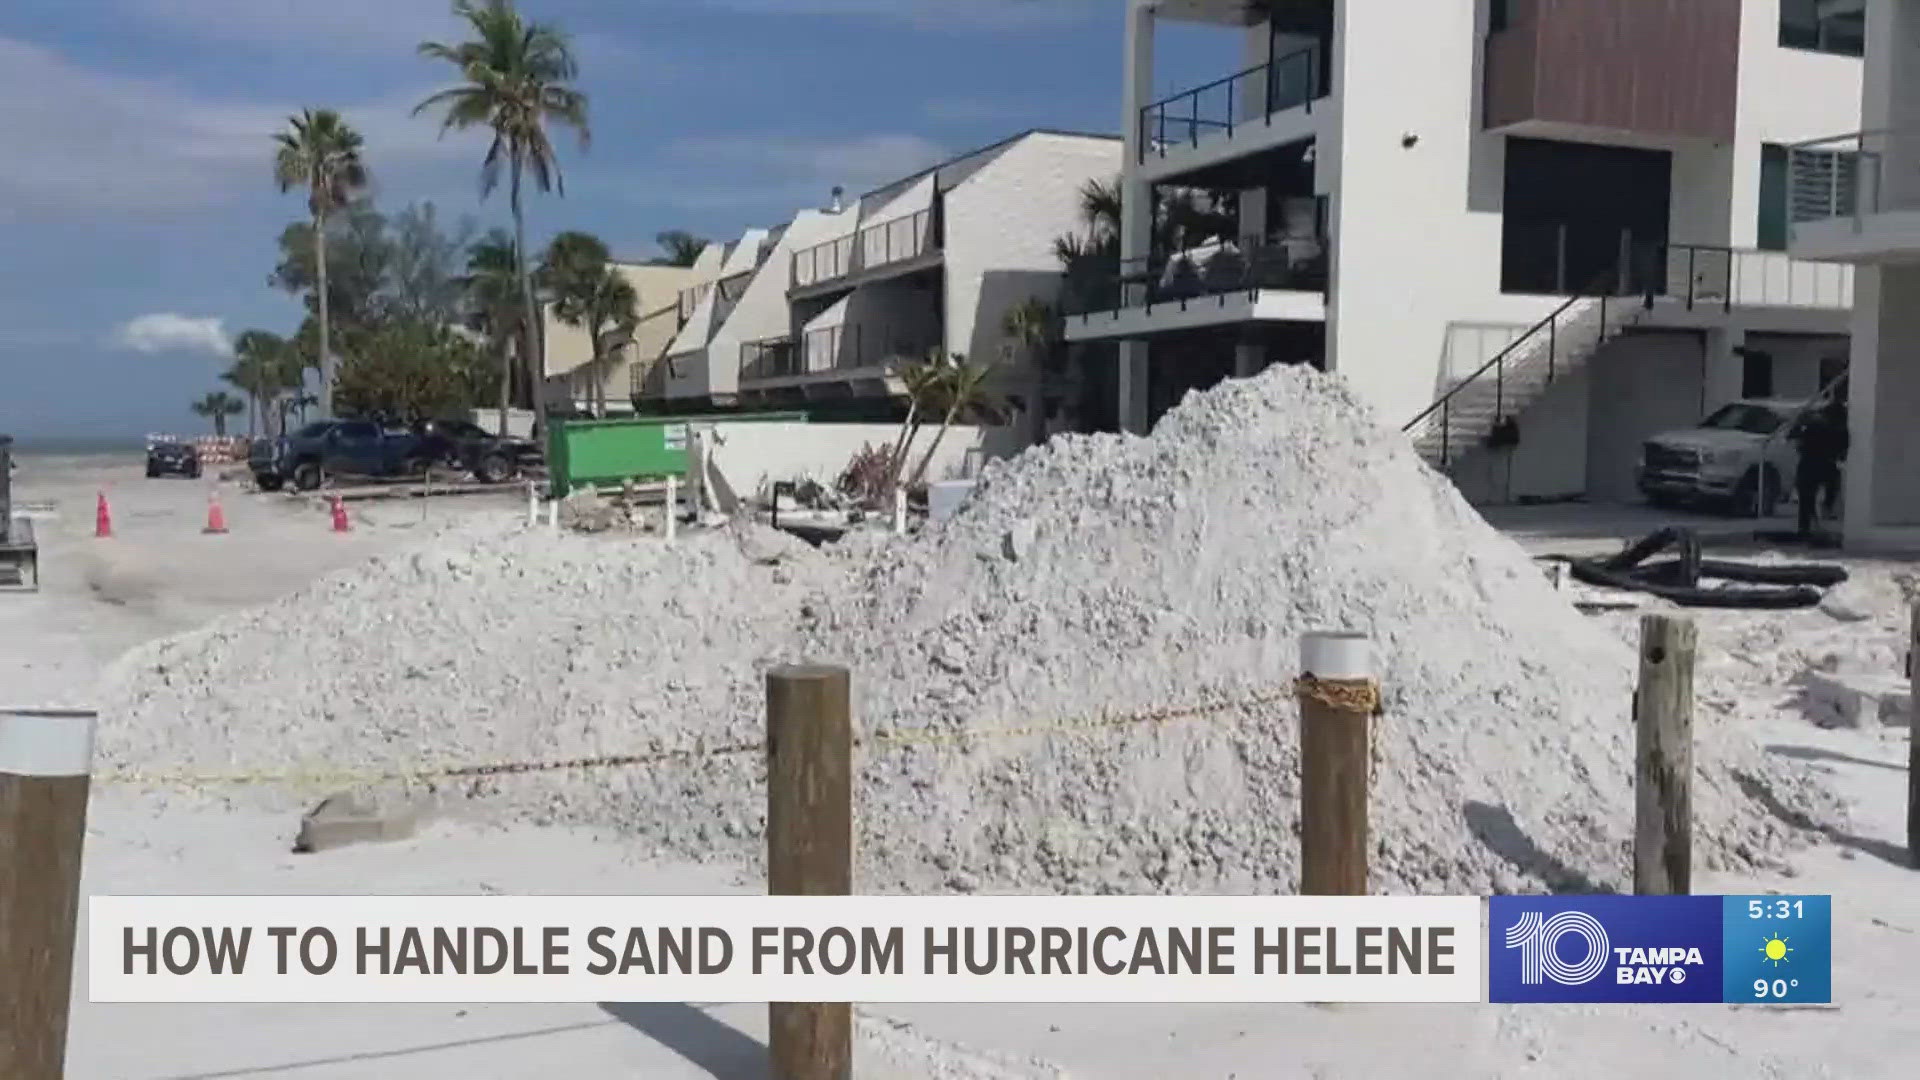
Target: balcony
[[1273, 277], [860, 350], [769, 358], [1855, 198], [1226, 110], [886, 249], [1705, 277]]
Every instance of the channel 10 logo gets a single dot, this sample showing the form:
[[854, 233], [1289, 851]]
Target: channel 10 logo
[[1604, 949]]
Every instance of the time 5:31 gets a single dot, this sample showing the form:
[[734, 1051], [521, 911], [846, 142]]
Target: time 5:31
[[1775, 909]]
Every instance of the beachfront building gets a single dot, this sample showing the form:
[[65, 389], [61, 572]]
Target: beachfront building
[[1855, 202], [823, 314], [1533, 232], [592, 383]]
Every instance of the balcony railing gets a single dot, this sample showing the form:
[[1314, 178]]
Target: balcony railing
[[1214, 272], [1700, 275], [1866, 172], [864, 345], [1246, 97], [871, 248], [769, 358]]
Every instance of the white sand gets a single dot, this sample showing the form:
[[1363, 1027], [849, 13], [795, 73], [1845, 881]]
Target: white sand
[[51, 647]]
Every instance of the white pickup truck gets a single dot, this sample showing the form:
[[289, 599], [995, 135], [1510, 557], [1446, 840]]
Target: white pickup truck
[[1737, 458]]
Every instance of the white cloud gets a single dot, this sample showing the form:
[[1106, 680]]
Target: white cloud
[[165, 331], [124, 144]]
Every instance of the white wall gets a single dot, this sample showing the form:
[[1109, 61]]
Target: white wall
[[754, 455], [1000, 226], [1646, 384], [1418, 227], [1786, 96]]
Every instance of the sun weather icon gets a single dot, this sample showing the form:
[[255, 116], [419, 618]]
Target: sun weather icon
[[1775, 948]]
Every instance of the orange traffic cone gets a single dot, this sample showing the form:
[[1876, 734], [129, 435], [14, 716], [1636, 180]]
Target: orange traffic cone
[[340, 523], [216, 517], [102, 518]]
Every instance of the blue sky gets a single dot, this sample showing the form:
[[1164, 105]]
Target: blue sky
[[139, 216]]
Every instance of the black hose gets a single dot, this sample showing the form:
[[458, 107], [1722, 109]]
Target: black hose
[[1678, 579]]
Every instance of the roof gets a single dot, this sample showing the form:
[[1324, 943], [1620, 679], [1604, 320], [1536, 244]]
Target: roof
[[982, 151]]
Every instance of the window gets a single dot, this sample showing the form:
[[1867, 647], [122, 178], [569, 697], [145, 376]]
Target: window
[[1772, 233], [1802, 26], [1756, 374], [1739, 416]]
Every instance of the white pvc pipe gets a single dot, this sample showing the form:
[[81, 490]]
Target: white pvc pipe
[[553, 515], [533, 505], [673, 496], [46, 742], [900, 511], [1336, 655]]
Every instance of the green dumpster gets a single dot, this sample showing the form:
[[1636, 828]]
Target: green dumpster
[[589, 453]]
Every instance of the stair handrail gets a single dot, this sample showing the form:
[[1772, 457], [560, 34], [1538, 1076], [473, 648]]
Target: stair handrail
[[1598, 290]]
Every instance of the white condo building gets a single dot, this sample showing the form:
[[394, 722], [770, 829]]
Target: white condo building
[[1569, 215], [823, 312], [1855, 201]]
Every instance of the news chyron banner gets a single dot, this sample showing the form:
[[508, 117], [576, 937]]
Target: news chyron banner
[[895, 949], [901, 949], [1768, 950]]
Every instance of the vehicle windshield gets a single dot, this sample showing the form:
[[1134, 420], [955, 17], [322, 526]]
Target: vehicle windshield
[[1743, 416], [315, 430]]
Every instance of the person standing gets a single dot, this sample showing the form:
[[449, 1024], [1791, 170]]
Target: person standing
[[1836, 411], [1821, 444]]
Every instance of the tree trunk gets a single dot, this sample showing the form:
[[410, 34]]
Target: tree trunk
[[253, 412], [536, 349], [506, 380], [897, 460], [945, 423], [320, 266]]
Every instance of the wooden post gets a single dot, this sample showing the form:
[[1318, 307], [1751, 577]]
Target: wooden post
[[809, 846], [1338, 697], [1913, 740], [1663, 759], [45, 759]]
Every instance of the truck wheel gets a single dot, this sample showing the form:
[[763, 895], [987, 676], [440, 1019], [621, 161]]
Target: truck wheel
[[269, 483], [1749, 489], [493, 468], [306, 476]]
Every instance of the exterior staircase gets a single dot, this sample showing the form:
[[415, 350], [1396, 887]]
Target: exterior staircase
[[1465, 417]]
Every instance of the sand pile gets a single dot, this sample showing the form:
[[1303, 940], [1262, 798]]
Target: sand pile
[[1117, 575], [492, 644], [1097, 575]]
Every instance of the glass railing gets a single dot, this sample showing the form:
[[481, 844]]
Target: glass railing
[[865, 345], [1212, 271], [769, 358], [871, 248], [1245, 97]]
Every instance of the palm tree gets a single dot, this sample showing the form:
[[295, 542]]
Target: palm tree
[[320, 153], [516, 74], [921, 380], [678, 248], [259, 371], [1033, 327], [961, 387], [588, 292], [492, 285], [217, 405]]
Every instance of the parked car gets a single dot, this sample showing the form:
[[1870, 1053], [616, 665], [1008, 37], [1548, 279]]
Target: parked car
[[336, 448], [1735, 458], [173, 459], [467, 446]]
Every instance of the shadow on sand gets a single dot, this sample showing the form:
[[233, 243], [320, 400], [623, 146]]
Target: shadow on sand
[[1494, 826], [722, 1050]]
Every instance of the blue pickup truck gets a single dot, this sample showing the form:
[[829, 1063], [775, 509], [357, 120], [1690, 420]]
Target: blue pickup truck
[[337, 448]]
